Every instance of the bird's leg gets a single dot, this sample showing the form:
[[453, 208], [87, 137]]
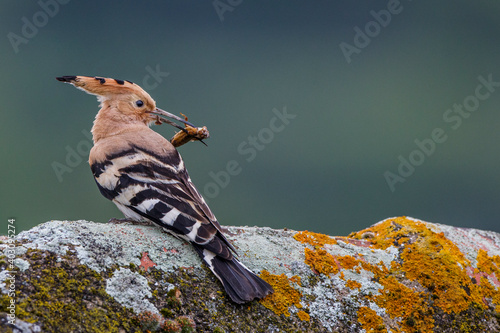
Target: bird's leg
[[127, 220]]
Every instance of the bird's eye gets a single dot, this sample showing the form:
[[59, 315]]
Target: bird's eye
[[139, 103]]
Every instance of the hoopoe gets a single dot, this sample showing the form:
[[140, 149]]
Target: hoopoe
[[144, 175]]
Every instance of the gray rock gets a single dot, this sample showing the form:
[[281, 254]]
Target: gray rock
[[400, 274]]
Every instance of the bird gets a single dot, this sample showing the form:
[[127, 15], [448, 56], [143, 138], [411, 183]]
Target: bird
[[143, 174]]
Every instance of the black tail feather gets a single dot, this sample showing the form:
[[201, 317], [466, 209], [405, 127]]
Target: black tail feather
[[241, 284]]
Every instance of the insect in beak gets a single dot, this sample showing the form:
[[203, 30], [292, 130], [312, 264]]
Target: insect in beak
[[161, 114], [188, 133]]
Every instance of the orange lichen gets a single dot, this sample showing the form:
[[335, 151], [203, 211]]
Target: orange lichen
[[304, 316], [370, 321], [394, 231], [490, 292], [348, 262], [400, 301], [437, 270], [437, 264], [430, 275], [353, 284], [321, 261], [488, 264], [314, 239], [295, 279], [284, 294], [377, 270], [324, 263]]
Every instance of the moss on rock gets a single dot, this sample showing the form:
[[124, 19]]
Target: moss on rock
[[400, 275]]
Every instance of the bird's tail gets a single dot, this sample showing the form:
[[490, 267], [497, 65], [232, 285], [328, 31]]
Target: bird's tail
[[240, 283]]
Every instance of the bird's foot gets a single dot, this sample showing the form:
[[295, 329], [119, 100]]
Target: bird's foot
[[126, 220]]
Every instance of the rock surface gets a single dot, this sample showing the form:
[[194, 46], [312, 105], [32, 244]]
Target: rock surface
[[400, 275]]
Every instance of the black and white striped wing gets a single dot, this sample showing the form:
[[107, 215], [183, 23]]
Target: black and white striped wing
[[158, 188]]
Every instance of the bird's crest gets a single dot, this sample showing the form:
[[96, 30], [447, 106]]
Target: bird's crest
[[103, 87]]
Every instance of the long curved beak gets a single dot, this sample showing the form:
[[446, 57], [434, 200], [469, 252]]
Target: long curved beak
[[164, 113]]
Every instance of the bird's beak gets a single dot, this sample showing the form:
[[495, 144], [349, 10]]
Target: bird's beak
[[163, 113]]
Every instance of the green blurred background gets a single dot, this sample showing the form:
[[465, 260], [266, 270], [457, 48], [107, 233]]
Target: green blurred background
[[227, 65]]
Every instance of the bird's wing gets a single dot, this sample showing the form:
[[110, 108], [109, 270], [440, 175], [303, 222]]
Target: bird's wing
[[158, 188]]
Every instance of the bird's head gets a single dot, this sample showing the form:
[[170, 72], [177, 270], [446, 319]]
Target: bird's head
[[126, 98]]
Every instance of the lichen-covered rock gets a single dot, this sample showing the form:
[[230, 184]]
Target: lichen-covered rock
[[400, 275]]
